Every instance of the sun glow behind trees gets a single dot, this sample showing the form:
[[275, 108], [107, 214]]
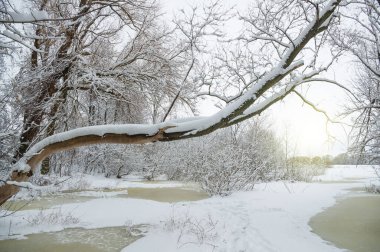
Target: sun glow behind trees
[[262, 65], [309, 131]]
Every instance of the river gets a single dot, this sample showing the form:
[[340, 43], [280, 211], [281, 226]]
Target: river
[[353, 223], [108, 239]]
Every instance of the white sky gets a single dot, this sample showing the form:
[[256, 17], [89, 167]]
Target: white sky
[[307, 129]]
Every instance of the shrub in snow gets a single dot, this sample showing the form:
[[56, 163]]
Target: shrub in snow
[[229, 160], [373, 188], [236, 165], [192, 230], [77, 183], [52, 217], [302, 168]]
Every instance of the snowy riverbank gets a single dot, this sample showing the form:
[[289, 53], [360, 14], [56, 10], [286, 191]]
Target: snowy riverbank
[[272, 217]]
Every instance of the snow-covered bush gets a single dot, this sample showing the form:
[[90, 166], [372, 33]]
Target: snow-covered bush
[[110, 160], [226, 161], [77, 183], [237, 162], [301, 168]]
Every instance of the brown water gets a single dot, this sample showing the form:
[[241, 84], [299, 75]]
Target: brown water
[[353, 223], [74, 239], [168, 194], [90, 240], [45, 202]]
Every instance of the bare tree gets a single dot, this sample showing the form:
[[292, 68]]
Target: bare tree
[[287, 29], [362, 40], [71, 79]]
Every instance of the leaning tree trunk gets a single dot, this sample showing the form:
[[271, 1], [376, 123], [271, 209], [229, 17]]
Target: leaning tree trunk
[[8, 190], [246, 106]]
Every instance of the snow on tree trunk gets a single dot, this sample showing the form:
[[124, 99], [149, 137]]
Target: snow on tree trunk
[[250, 103]]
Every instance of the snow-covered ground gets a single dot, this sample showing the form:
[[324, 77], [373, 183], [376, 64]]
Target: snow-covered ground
[[273, 217], [348, 172]]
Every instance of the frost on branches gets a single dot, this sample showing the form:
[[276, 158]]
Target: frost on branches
[[363, 42], [72, 80]]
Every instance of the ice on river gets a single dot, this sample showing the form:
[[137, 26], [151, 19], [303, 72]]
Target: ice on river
[[272, 217]]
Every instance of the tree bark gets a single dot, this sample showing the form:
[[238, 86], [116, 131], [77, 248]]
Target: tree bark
[[7, 191], [232, 114]]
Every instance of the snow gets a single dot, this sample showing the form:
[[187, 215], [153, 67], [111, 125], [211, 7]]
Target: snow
[[33, 16], [272, 217], [347, 172], [268, 101], [99, 130], [27, 185], [19, 39], [21, 165], [187, 126], [191, 125], [267, 219]]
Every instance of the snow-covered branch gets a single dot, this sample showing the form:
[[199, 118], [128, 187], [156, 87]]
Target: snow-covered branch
[[275, 75], [172, 131], [32, 17], [19, 40]]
